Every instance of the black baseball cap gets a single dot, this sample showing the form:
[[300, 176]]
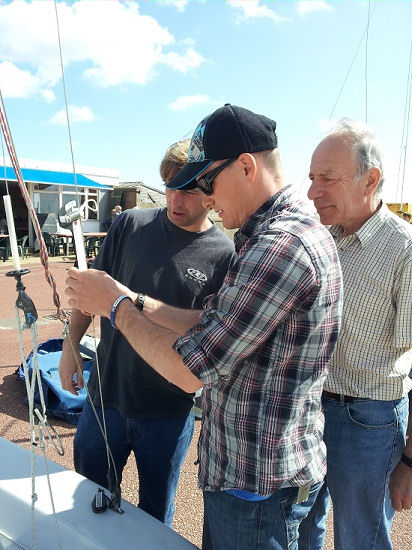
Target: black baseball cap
[[226, 133]]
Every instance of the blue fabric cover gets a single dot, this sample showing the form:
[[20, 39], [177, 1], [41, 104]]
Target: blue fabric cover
[[59, 402], [53, 177]]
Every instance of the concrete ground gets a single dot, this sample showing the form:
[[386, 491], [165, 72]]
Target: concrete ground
[[14, 415]]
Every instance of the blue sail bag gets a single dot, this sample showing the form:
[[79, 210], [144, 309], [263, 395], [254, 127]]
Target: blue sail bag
[[59, 402]]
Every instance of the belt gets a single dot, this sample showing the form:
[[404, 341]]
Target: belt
[[338, 397]]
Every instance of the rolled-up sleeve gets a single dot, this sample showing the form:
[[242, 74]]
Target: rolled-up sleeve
[[274, 276]]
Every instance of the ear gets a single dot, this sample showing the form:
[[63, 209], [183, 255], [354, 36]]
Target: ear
[[373, 179], [248, 166]]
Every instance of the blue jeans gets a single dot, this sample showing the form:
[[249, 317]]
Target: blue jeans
[[159, 446], [231, 523], [364, 441]]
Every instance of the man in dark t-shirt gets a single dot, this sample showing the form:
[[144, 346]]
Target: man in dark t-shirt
[[178, 256]]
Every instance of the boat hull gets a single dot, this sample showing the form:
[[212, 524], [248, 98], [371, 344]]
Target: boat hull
[[79, 526]]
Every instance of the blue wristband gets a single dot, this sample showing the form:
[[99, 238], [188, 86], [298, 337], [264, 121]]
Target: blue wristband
[[115, 306]]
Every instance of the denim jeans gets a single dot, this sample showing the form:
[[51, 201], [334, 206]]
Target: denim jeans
[[364, 441], [159, 446], [231, 523]]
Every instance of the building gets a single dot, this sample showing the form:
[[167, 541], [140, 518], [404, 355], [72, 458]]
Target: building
[[51, 186], [132, 194]]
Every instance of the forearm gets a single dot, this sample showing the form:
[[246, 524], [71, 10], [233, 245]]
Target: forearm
[[401, 478], [176, 319], [96, 292], [154, 345], [408, 448], [70, 360], [79, 323]]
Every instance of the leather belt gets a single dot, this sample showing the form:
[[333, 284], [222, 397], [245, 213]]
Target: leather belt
[[338, 397]]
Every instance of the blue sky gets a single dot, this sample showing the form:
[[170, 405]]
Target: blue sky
[[141, 75]]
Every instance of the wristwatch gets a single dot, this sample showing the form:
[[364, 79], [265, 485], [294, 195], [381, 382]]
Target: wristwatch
[[406, 460], [140, 301]]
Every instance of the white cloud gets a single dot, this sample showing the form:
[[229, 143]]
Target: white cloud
[[48, 95], [184, 102], [252, 9], [15, 82], [112, 41], [182, 62], [309, 6], [180, 5], [76, 114]]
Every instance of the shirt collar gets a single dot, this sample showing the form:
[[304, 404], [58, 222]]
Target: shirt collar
[[368, 230], [274, 205]]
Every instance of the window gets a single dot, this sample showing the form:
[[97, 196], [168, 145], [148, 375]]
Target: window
[[50, 198], [88, 198], [46, 203], [46, 198]]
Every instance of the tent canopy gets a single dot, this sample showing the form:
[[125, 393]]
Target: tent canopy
[[51, 177]]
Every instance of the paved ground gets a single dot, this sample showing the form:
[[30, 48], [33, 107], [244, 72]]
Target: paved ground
[[14, 417]]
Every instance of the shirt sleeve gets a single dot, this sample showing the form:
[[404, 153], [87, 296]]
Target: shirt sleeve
[[402, 337], [106, 254], [273, 276]]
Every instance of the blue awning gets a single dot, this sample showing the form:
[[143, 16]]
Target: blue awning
[[50, 177]]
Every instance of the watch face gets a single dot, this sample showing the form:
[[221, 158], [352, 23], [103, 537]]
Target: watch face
[[140, 301]]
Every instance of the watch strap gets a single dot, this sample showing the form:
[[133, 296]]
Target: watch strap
[[406, 460], [140, 301]]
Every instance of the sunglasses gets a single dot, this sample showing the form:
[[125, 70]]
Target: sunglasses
[[205, 183]]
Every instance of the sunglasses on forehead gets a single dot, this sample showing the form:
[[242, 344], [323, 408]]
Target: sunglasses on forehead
[[205, 183]]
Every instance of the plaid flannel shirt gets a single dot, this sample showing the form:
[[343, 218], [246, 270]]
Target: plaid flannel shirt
[[262, 349]]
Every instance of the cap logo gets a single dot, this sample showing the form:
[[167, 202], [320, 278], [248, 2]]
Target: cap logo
[[196, 150]]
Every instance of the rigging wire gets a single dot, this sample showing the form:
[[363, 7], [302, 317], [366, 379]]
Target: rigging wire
[[353, 60], [110, 459], [366, 61], [113, 483], [404, 140], [65, 102], [365, 33]]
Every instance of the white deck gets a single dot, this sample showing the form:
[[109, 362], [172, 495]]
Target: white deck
[[80, 528]]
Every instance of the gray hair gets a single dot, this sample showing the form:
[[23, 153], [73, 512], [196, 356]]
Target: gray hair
[[365, 146]]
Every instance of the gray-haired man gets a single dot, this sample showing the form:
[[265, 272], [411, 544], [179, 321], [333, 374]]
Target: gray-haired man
[[369, 471]]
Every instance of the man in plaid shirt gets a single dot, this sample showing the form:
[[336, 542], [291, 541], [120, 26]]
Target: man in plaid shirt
[[260, 347]]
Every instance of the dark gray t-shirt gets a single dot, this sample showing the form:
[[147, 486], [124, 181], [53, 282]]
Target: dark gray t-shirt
[[147, 253]]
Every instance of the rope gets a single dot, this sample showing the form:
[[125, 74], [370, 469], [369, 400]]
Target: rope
[[102, 427], [62, 315], [46, 467], [44, 257], [30, 388], [4, 166], [30, 398]]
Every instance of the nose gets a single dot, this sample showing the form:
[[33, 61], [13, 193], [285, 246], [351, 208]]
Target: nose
[[314, 191], [175, 197], [207, 201]]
